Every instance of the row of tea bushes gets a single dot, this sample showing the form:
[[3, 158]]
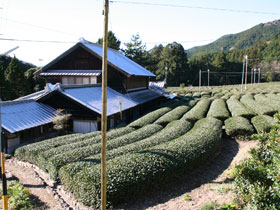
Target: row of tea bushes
[[137, 173], [218, 109], [275, 104], [238, 109], [263, 123], [57, 161], [238, 127], [172, 131], [198, 112], [43, 156]]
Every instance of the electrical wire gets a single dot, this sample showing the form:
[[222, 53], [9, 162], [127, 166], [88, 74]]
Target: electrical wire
[[29, 40], [193, 7]]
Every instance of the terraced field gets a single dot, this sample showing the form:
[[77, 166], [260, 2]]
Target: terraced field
[[163, 144]]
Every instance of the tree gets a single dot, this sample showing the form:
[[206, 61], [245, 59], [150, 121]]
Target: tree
[[18, 85], [113, 41], [36, 83], [174, 58], [136, 51]]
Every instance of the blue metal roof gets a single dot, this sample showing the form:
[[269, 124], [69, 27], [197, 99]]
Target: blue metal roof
[[119, 60], [72, 72], [91, 97], [25, 114], [143, 96]]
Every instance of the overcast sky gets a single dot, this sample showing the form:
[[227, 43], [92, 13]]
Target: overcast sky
[[189, 22]]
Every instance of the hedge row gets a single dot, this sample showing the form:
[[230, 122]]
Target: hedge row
[[273, 96], [218, 109], [176, 113], [238, 109], [29, 152], [238, 127], [137, 173], [42, 157], [55, 162], [171, 131], [275, 104], [198, 112], [263, 123], [257, 107]]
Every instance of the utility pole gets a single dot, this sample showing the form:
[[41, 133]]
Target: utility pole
[[255, 76], [259, 78], [252, 76], [246, 59], [208, 78], [3, 175], [165, 79], [104, 109], [242, 80], [199, 80]]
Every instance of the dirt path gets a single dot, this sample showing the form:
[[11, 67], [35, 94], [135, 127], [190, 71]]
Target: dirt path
[[204, 185], [40, 196]]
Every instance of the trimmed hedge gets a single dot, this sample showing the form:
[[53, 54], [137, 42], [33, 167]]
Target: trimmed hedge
[[42, 157], [134, 174], [275, 104], [176, 113], [273, 96], [238, 109], [29, 152], [196, 94], [218, 109], [198, 112], [238, 127], [55, 162], [149, 118], [257, 106], [170, 132], [263, 123]]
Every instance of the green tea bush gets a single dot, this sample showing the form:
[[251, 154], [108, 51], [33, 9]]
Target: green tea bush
[[257, 106], [55, 162], [176, 113], [170, 132], [261, 98], [196, 94], [273, 96], [87, 140], [198, 112], [137, 173], [238, 127], [257, 182], [263, 123], [238, 109], [218, 109]]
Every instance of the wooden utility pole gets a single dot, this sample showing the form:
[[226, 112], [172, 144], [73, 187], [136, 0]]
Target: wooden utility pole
[[3, 175], [246, 62], [242, 80], [199, 80], [208, 77], [104, 109]]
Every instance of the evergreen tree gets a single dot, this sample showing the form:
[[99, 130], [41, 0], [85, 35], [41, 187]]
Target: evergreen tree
[[35, 83], [113, 41], [174, 58], [17, 82]]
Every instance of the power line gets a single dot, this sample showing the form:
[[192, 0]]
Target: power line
[[29, 40], [194, 7]]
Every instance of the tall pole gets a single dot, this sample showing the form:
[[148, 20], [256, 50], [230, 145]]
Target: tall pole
[[252, 76], [242, 80], [246, 59], [104, 109], [3, 175], [208, 77], [199, 80], [259, 78]]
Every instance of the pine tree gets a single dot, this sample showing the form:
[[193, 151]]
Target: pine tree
[[113, 41]]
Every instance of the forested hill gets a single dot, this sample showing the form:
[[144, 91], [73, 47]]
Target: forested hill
[[242, 40]]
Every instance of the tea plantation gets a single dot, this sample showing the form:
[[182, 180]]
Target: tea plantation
[[172, 140]]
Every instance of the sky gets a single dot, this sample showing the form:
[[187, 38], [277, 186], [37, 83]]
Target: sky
[[61, 23]]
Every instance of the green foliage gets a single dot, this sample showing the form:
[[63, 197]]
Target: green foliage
[[57, 161], [257, 184], [183, 90], [261, 98], [61, 121], [228, 206], [263, 123], [238, 109], [187, 197], [238, 127], [218, 110], [133, 174], [36, 83], [210, 206], [199, 111], [113, 41], [171, 131]]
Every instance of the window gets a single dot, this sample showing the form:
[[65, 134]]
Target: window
[[71, 80], [85, 80], [64, 80], [93, 80], [79, 80]]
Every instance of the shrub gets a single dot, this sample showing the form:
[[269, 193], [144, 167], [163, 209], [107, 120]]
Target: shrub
[[87, 140], [134, 174], [257, 183], [273, 96], [176, 113], [257, 107], [198, 112], [55, 162], [238, 109], [218, 109], [275, 104], [196, 94], [263, 123], [238, 127], [171, 131]]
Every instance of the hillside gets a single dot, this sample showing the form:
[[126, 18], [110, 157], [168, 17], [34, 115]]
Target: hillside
[[242, 40]]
